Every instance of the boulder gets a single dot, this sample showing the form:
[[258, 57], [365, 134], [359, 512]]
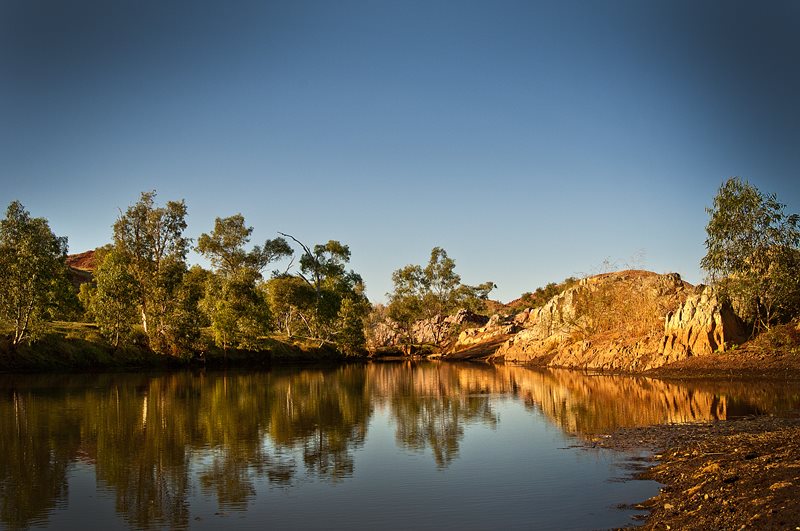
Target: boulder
[[496, 327], [700, 326]]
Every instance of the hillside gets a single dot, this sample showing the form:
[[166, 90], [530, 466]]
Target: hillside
[[630, 321], [81, 266], [82, 261]]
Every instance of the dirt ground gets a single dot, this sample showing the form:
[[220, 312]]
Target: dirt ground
[[739, 474]]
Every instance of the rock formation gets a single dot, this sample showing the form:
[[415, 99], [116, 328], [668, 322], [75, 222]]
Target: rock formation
[[701, 326], [427, 331], [624, 321], [612, 321], [80, 268]]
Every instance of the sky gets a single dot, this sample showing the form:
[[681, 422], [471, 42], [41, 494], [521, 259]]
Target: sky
[[531, 140]]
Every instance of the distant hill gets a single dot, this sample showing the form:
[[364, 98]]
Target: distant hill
[[82, 261], [81, 266]]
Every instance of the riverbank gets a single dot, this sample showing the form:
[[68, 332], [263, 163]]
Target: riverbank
[[735, 474], [68, 346]]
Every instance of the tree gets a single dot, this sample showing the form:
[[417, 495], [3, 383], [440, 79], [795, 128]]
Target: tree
[[238, 312], [432, 293], [292, 301], [32, 271], [339, 303], [753, 253], [149, 241], [225, 247], [111, 301]]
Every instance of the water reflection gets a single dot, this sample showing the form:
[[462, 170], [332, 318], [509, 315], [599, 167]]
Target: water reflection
[[431, 405], [152, 438]]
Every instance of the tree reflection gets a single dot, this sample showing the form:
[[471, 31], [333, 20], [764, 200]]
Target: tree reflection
[[154, 440], [325, 413], [139, 434], [38, 443], [431, 408]]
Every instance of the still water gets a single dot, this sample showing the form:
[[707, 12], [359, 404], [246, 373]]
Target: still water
[[381, 446]]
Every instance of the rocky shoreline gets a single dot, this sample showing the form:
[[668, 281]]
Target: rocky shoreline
[[736, 474]]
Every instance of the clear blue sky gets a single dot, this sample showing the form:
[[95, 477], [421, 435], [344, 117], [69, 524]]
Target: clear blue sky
[[531, 140]]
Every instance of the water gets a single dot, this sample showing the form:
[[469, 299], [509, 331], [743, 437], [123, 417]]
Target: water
[[389, 446]]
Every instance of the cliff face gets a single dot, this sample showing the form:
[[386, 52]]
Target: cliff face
[[700, 326], [628, 321]]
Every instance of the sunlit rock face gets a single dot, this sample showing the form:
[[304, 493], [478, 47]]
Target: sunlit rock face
[[612, 321], [436, 330], [625, 321], [629, 321], [496, 327], [700, 326]]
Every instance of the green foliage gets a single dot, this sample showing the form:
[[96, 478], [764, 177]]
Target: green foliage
[[33, 274], [238, 312], [433, 291], [324, 299], [183, 332], [225, 247], [111, 302], [350, 336], [753, 253], [149, 240], [541, 295], [292, 301]]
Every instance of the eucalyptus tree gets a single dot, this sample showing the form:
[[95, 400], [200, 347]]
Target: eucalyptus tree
[[238, 312], [33, 273], [149, 240], [753, 253], [111, 299], [431, 293], [338, 301]]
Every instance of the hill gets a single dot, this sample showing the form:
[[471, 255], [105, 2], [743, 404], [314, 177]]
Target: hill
[[629, 320]]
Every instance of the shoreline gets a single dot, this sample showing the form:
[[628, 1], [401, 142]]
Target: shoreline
[[739, 473]]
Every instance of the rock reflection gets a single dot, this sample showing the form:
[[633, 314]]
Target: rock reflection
[[153, 439]]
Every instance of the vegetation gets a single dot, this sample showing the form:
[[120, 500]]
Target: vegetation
[[111, 301], [239, 313], [324, 300], [431, 293], [753, 254], [33, 274], [541, 295], [143, 295]]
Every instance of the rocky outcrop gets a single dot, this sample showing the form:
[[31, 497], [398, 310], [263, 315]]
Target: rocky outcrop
[[427, 331], [495, 327], [612, 321], [85, 261], [628, 321], [701, 326]]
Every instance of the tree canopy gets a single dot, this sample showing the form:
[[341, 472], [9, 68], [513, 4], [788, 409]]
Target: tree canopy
[[239, 313], [753, 253], [327, 301], [33, 272], [149, 240], [430, 292]]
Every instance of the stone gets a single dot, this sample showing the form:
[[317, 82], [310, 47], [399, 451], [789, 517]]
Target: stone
[[702, 325], [572, 329]]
